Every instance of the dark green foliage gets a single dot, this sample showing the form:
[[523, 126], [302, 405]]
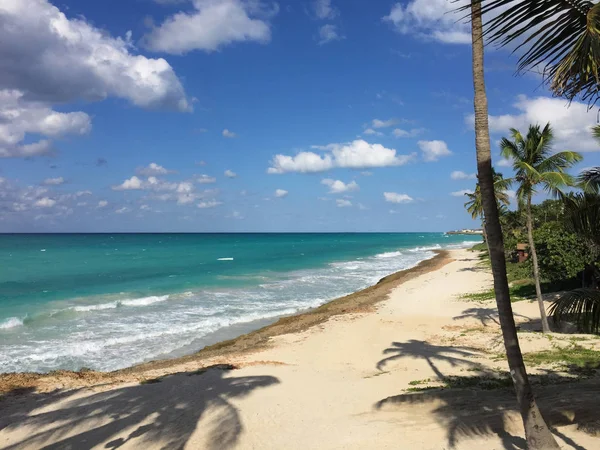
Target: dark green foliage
[[561, 254]]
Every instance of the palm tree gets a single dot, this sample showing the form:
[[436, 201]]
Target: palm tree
[[475, 206], [560, 36], [536, 167], [537, 432], [474, 203]]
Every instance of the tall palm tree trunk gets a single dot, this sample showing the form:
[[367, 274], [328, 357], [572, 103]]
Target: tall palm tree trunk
[[536, 269], [537, 432]]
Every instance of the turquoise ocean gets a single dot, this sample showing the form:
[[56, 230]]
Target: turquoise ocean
[[108, 301]]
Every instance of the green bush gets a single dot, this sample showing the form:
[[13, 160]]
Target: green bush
[[561, 254]]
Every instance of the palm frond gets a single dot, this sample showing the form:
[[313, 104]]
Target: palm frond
[[510, 150], [582, 216], [596, 132], [525, 170], [589, 180], [556, 181], [501, 183], [562, 36], [581, 306], [559, 161]]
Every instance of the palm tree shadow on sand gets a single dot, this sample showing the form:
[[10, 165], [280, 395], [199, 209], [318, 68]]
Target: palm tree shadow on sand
[[432, 354], [487, 407], [485, 315], [165, 411]]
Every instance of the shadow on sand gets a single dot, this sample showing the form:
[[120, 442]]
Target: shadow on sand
[[165, 411], [485, 315], [432, 354], [481, 405]]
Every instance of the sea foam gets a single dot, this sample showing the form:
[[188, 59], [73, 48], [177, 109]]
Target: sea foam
[[144, 301], [11, 322]]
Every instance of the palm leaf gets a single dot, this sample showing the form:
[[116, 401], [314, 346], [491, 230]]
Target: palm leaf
[[582, 217], [561, 36], [581, 306], [589, 180], [559, 161]]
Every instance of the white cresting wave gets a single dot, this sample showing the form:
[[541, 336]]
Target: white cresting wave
[[144, 301], [116, 333], [11, 322], [424, 249], [388, 255]]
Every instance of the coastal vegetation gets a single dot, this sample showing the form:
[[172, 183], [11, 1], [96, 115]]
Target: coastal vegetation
[[562, 37]]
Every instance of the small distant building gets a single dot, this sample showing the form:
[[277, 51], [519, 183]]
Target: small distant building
[[522, 252]]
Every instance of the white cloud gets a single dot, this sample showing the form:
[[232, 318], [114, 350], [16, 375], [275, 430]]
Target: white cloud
[[461, 193], [394, 197], [45, 202], [329, 33], [153, 170], [280, 193], [433, 150], [230, 174], [228, 134], [182, 192], [20, 117], [133, 183], [51, 58], [122, 210], [341, 203], [377, 123], [571, 124], [431, 20], [102, 203], [212, 25], [362, 207], [53, 181], [358, 154], [511, 194], [304, 162], [209, 204], [399, 133], [503, 162], [339, 187], [460, 175], [371, 131], [324, 10], [205, 179], [366, 173]]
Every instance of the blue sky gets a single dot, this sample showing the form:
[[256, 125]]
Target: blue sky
[[247, 115]]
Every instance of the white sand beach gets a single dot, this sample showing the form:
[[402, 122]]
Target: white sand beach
[[342, 384]]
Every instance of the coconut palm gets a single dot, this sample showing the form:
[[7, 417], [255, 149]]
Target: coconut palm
[[474, 204], [559, 37], [536, 431], [535, 166]]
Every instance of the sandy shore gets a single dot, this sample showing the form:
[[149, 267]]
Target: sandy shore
[[340, 378]]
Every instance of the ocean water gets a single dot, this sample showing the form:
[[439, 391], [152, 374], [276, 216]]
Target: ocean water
[[107, 301]]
